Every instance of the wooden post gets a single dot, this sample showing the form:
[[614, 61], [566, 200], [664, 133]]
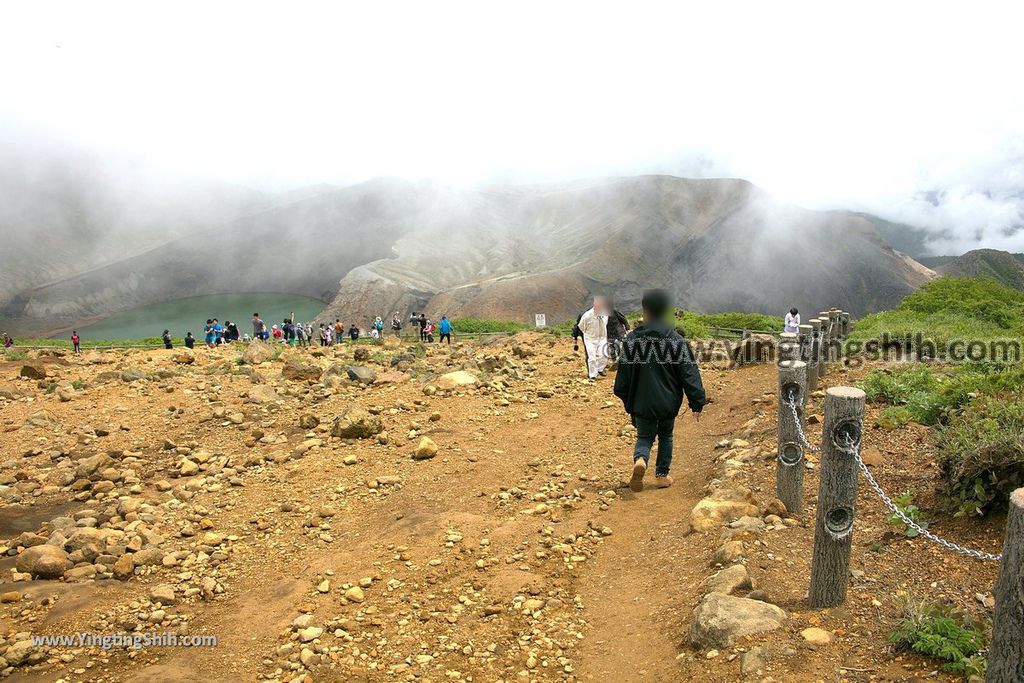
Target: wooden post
[[789, 466], [844, 324], [1006, 656], [825, 346], [837, 496], [789, 347], [813, 360]]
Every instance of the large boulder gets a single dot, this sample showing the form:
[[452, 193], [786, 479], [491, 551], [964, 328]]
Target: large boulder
[[454, 380], [258, 352], [33, 371], [297, 370], [361, 374], [44, 562], [720, 620], [356, 423]]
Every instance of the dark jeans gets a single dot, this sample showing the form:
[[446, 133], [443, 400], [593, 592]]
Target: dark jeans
[[448, 336], [646, 429]]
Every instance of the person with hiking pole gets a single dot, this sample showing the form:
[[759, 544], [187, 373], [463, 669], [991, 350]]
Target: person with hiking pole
[[657, 369]]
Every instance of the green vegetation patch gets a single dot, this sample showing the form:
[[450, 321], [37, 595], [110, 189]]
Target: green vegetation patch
[[938, 633]]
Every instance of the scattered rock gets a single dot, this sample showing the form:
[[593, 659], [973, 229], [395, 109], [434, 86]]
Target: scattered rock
[[296, 370], [33, 371], [729, 580], [425, 449], [816, 636], [356, 423], [257, 352], [720, 620], [361, 374], [44, 561], [454, 380]]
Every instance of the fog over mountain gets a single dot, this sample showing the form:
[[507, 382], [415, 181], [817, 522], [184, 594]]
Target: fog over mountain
[[176, 155]]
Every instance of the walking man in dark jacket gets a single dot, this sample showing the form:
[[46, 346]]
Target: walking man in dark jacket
[[656, 368]]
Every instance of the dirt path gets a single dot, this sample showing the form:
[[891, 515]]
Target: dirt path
[[647, 579]]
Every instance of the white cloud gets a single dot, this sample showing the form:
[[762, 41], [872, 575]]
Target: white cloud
[[868, 105]]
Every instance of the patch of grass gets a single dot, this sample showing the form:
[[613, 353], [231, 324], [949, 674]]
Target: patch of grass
[[894, 417], [933, 396], [981, 452], [77, 385], [743, 321], [941, 634], [480, 326], [14, 354], [50, 388]]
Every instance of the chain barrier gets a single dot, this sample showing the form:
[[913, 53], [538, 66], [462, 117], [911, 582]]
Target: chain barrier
[[851, 447], [799, 424]]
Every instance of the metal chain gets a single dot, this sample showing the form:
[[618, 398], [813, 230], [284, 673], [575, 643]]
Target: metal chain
[[853, 449], [799, 426]]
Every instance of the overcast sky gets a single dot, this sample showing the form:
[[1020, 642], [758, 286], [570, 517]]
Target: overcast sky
[[912, 110]]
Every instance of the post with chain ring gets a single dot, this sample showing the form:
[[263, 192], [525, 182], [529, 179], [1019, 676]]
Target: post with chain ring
[[789, 466], [812, 358], [789, 347], [826, 344], [1006, 656], [837, 496]]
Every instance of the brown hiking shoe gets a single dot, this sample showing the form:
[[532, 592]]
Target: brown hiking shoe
[[639, 470], [663, 482]]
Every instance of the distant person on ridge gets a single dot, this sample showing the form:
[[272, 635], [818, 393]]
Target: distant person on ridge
[[208, 332], [75, 341], [190, 341], [445, 328], [339, 331], [793, 321], [396, 325], [423, 326], [593, 327], [656, 368], [428, 331], [8, 341], [353, 332], [167, 340]]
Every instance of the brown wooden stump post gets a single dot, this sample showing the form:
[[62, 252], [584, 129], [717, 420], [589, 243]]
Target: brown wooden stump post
[[824, 347], [789, 347], [789, 468], [814, 359], [844, 324], [1006, 656], [837, 496]]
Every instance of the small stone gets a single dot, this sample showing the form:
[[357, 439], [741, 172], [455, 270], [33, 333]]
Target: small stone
[[816, 636], [355, 594], [425, 450]]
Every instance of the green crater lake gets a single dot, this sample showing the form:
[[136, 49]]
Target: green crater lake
[[190, 314]]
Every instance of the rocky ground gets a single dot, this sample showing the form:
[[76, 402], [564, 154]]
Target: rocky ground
[[395, 513]]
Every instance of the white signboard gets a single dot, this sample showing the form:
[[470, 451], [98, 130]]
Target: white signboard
[[541, 320]]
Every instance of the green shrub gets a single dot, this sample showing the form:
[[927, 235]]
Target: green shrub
[[980, 298], [897, 386], [481, 326], [904, 502], [936, 632], [14, 354], [981, 453], [949, 309], [893, 417], [755, 322]]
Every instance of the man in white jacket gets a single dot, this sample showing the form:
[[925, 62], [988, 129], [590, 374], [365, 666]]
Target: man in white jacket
[[594, 326]]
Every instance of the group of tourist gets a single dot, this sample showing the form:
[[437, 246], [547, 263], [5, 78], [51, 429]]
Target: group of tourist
[[292, 332]]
